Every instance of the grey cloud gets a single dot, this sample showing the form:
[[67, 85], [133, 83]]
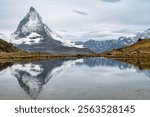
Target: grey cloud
[[88, 35], [63, 30], [122, 31], [80, 12], [110, 0], [60, 14]]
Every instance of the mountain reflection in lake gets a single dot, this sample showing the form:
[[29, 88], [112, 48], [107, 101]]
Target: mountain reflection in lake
[[90, 78]]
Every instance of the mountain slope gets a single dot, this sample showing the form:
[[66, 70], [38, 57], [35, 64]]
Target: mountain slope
[[33, 35], [7, 47], [139, 49], [106, 45]]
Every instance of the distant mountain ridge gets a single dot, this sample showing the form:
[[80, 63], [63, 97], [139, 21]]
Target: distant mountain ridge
[[106, 45], [33, 35]]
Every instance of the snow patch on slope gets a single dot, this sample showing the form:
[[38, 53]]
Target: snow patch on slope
[[64, 42], [34, 23], [33, 38], [57, 37]]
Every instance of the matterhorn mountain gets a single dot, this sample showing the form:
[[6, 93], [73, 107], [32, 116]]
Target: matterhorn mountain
[[106, 45], [33, 35]]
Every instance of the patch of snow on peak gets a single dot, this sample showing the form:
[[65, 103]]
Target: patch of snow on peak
[[33, 35]]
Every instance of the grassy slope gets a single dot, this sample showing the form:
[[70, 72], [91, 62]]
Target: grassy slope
[[7, 47], [137, 54], [140, 49]]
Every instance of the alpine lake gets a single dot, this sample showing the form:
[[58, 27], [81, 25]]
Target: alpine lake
[[74, 79]]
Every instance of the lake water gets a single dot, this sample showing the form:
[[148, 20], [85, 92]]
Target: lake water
[[77, 79]]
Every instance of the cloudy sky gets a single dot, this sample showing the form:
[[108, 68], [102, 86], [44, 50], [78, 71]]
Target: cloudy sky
[[81, 19]]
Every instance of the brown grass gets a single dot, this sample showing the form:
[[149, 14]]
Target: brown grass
[[141, 49], [30, 56]]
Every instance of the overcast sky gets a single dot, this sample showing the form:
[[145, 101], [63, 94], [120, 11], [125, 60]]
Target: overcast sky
[[81, 19]]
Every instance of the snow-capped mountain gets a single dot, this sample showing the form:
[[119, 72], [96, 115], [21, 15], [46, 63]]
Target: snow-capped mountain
[[33, 35], [142, 35], [106, 45]]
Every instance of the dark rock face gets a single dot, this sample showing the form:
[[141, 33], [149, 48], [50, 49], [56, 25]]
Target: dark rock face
[[33, 35], [7, 47]]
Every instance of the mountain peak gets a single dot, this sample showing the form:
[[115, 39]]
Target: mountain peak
[[32, 9], [33, 35]]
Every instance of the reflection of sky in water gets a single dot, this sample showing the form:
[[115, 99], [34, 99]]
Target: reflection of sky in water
[[92, 78]]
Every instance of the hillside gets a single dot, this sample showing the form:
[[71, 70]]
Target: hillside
[[139, 49], [8, 53], [106, 45], [7, 47]]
